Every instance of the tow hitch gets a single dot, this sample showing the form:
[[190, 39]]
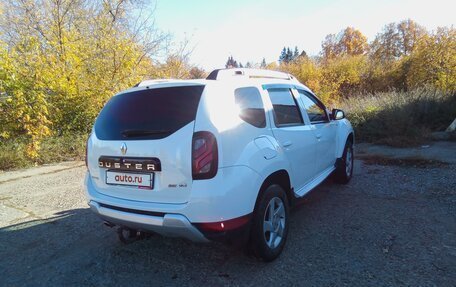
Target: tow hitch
[[128, 235]]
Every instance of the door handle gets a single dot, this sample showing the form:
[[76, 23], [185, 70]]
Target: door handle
[[287, 144], [318, 136]]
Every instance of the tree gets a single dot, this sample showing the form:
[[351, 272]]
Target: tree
[[396, 40], [306, 71], [434, 61], [348, 42], [343, 76], [231, 63], [295, 53], [65, 59], [329, 47], [25, 110], [283, 55], [197, 73], [352, 42], [409, 35], [289, 55], [263, 64]]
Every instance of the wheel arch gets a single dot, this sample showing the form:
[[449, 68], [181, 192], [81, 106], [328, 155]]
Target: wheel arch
[[349, 135], [280, 177]]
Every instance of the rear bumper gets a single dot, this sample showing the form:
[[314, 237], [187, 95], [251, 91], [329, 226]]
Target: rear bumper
[[212, 202], [172, 225]]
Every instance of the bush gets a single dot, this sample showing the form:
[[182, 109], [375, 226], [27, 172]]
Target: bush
[[400, 118], [53, 149], [13, 155]]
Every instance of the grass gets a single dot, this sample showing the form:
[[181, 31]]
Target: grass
[[400, 118], [53, 149]]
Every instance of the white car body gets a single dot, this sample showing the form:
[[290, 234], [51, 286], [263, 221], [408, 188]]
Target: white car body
[[178, 205]]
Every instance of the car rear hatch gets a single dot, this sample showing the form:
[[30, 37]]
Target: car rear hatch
[[141, 148]]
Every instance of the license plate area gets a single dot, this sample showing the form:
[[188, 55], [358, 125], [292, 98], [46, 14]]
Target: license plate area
[[128, 178]]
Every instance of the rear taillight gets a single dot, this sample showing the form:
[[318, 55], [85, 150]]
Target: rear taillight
[[204, 155]]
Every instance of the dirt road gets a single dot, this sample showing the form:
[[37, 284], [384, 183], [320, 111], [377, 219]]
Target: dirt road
[[392, 225]]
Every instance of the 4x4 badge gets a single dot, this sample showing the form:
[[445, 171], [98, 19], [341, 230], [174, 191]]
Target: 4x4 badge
[[123, 148]]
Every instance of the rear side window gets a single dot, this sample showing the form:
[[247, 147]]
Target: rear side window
[[148, 114], [286, 110], [251, 106]]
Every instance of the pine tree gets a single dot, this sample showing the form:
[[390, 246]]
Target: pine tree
[[289, 56], [231, 63], [295, 53], [283, 55], [263, 63]]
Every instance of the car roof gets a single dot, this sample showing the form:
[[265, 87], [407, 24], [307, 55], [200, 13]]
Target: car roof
[[232, 77]]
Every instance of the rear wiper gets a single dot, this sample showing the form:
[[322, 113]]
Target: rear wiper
[[142, 133]]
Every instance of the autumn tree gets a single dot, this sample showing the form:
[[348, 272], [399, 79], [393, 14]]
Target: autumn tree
[[389, 57], [409, 35], [65, 58], [396, 40], [348, 42], [306, 71], [197, 73], [434, 61]]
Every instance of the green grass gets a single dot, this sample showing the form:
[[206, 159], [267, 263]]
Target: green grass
[[400, 118], [53, 149]]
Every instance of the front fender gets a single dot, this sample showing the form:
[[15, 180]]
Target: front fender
[[344, 130]]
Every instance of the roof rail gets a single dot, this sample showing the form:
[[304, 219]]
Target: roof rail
[[221, 74], [150, 82]]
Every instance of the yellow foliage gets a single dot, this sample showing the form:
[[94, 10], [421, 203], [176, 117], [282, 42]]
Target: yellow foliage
[[62, 60], [434, 61]]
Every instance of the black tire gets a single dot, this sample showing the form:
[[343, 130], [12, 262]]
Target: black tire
[[344, 168], [261, 245]]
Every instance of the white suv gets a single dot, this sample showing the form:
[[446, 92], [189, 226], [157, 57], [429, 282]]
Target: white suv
[[217, 159]]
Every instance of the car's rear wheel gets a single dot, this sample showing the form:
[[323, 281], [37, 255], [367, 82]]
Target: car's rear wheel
[[344, 169], [270, 224]]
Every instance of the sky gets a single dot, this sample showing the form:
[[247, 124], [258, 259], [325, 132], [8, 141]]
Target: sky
[[249, 30]]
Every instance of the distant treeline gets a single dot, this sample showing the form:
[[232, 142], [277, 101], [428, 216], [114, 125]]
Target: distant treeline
[[402, 57]]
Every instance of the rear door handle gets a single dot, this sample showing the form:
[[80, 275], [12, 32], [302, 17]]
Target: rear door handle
[[318, 136], [287, 144]]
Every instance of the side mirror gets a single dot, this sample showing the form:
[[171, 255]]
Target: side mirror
[[337, 114]]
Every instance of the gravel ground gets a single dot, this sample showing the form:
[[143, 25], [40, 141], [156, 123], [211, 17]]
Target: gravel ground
[[391, 226]]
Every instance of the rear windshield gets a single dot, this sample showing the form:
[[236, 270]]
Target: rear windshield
[[148, 114]]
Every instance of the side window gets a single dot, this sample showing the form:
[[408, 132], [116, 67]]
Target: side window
[[286, 110], [251, 106], [314, 109]]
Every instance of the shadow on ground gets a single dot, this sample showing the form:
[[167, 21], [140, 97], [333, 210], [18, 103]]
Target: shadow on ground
[[339, 235]]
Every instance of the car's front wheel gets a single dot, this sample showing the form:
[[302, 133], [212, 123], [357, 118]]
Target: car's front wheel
[[270, 224]]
